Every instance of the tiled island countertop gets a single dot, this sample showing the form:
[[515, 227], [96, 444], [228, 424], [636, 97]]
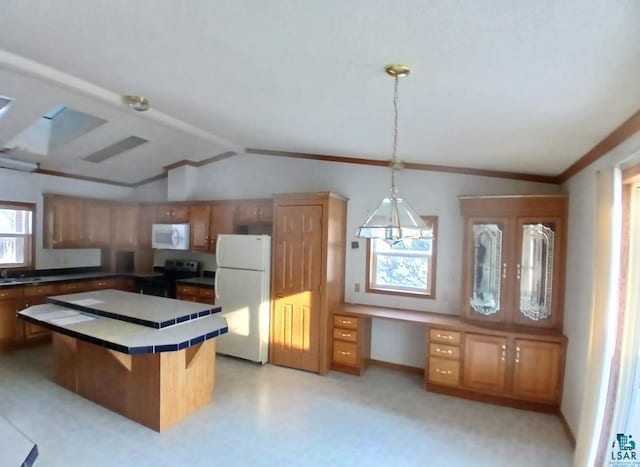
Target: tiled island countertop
[[16, 449], [127, 322], [148, 358]]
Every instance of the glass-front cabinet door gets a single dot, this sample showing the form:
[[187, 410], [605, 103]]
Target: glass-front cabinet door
[[486, 248], [537, 269]]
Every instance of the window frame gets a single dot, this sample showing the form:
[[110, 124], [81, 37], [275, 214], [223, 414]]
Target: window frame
[[31, 249], [433, 220]]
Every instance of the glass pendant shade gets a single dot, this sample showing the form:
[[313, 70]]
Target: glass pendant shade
[[393, 220]]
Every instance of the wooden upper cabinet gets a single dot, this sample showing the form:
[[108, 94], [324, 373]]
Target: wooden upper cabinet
[[514, 259], [199, 227], [254, 212], [485, 363], [172, 213], [62, 222], [146, 215], [97, 223], [124, 231], [537, 373], [221, 222]]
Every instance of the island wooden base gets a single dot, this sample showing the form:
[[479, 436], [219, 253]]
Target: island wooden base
[[155, 390]]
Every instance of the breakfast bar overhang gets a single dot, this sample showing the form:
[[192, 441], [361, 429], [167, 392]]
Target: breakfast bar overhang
[[150, 359]]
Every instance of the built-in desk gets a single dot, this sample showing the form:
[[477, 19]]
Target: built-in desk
[[510, 365]]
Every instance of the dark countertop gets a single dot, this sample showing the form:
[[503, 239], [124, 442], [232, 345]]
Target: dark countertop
[[38, 280], [198, 281]]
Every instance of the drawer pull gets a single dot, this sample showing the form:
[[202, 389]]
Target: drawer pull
[[444, 336], [342, 352], [444, 372], [447, 351], [344, 321], [345, 334]]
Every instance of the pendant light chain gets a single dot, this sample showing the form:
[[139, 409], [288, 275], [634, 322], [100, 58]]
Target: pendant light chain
[[394, 219], [395, 137]]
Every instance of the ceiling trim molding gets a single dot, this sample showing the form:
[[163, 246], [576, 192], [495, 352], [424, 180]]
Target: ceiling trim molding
[[210, 160], [56, 173], [627, 129], [410, 165]]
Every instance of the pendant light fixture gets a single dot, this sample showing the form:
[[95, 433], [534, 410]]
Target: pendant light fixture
[[394, 219]]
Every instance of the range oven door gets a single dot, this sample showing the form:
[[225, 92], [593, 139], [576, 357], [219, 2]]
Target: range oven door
[[156, 287]]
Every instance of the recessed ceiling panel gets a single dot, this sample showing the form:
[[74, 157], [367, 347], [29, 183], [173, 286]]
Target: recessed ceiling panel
[[115, 149], [4, 104], [56, 128]]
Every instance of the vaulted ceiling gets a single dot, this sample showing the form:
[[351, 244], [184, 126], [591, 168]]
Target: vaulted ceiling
[[501, 85]]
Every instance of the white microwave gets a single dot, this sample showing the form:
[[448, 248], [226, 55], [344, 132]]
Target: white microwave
[[170, 236]]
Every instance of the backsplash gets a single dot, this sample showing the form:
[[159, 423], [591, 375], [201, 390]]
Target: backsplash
[[207, 260]]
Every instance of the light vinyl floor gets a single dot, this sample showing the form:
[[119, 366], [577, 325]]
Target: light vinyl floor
[[272, 416]]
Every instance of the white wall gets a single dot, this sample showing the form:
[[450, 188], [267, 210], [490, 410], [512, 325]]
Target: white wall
[[153, 191], [28, 188], [579, 277], [430, 193]]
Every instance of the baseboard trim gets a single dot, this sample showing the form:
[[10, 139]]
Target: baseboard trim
[[567, 429], [491, 399], [397, 367]]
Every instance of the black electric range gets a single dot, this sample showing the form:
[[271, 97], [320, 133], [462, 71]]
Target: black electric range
[[164, 284]]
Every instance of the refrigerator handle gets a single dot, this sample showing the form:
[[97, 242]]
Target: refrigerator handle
[[215, 284]]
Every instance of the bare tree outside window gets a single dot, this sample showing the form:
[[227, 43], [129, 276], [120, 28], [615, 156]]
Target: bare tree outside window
[[404, 268], [16, 236]]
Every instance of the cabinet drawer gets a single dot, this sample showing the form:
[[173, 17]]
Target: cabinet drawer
[[33, 331], [73, 287], [346, 322], [443, 371], [9, 293], [40, 291], [445, 337], [345, 353], [444, 351], [206, 293], [187, 290], [345, 335], [103, 284]]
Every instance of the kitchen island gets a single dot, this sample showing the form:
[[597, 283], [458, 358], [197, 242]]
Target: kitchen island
[[148, 358]]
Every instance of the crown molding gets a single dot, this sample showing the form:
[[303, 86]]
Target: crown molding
[[409, 165], [623, 132]]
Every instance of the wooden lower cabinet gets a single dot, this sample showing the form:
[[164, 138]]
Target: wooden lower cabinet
[[9, 304], [36, 295], [351, 344], [443, 364], [537, 370], [194, 293], [505, 367], [485, 362]]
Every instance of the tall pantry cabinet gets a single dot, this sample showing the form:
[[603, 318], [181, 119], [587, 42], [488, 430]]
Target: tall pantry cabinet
[[309, 235]]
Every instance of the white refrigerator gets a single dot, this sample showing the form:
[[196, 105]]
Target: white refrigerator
[[242, 288]]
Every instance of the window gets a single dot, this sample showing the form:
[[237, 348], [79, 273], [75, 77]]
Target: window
[[405, 268], [16, 239]]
